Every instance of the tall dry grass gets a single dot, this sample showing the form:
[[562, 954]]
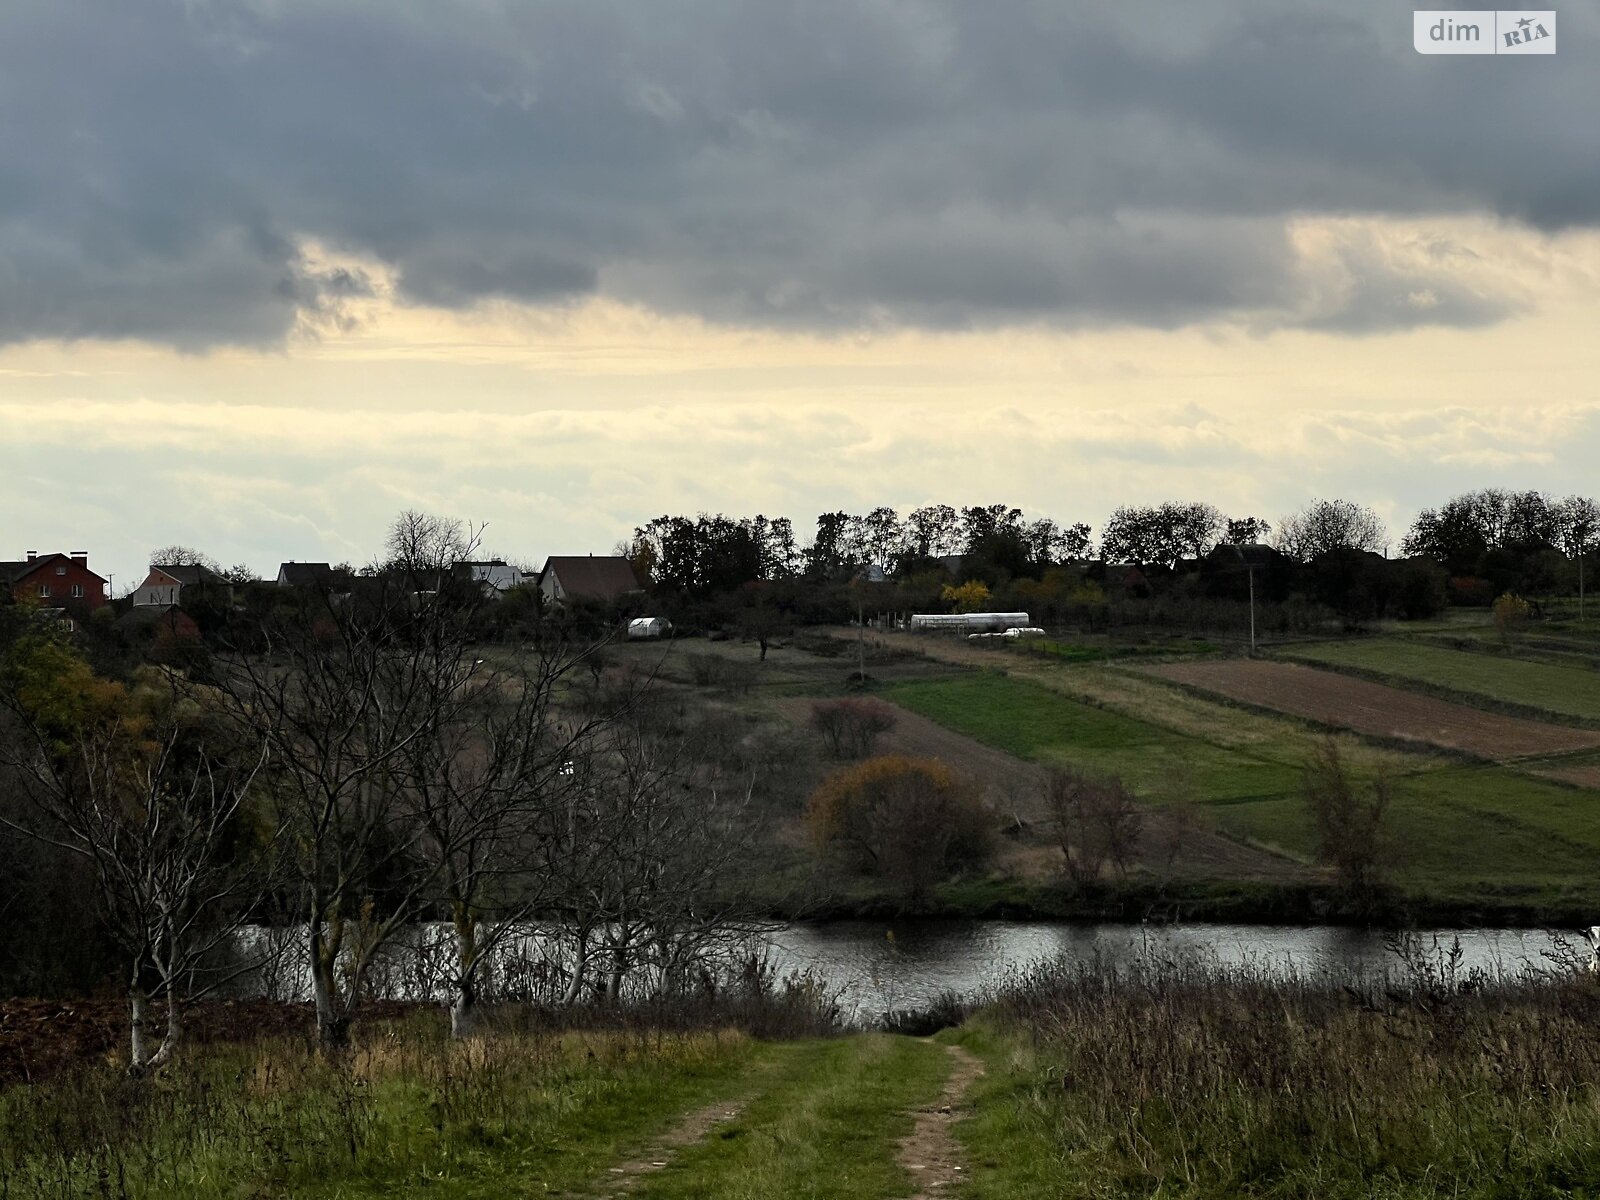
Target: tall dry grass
[[1194, 1079]]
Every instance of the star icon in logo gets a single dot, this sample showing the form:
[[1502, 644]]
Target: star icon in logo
[[1525, 22]]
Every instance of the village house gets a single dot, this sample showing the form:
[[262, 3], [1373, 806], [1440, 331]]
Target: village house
[[496, 577], [601, 579], [55, 580], [166, 581], [318, 575]]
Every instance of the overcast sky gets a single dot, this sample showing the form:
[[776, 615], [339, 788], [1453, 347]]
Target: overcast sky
[[271, 271]]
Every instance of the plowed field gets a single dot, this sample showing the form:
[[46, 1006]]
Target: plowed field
[[1373, 708]]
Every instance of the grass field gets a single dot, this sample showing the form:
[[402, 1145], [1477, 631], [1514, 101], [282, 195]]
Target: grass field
[[1562, 645], [1155, 1078], [411, 1115], [1457, 831], [1542, 688], [1034, 722], [1461, 835]]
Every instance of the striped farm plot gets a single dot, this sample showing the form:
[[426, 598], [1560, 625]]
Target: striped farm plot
[[1376, 709], [1569, 694]]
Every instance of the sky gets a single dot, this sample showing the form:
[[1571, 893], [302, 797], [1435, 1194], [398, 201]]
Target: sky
[[272, 271]]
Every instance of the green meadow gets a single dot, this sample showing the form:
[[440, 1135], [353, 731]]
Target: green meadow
[[1457, 831]]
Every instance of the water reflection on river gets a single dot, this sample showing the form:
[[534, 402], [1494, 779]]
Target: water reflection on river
[[879, 966], [888, 965]]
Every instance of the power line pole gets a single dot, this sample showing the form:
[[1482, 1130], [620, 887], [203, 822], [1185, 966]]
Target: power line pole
[[1251, 572]]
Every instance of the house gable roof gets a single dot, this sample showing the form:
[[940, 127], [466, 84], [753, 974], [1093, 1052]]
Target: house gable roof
[[188, 573], [588, 577], [15, 572], [305, 574]]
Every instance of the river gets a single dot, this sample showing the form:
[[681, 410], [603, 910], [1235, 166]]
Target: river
[[880, 966]]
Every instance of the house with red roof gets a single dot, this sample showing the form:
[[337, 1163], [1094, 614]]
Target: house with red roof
[[55, 580]]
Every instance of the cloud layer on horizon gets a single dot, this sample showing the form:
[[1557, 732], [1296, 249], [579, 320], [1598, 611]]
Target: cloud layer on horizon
[[267, 484], [829, 166]]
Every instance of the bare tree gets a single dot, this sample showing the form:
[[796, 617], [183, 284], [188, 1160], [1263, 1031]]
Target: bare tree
[[1325, 525], [760, 616], [1577, 522], [422, 542], [1196, 526], [1178, 823], [1097, 820], [850, 726], [153, 800], [183, 556], [340, 693], [1350, 819], [485, 785], [648, 851]]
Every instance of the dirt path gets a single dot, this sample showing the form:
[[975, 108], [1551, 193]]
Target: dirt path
[[692, 1128], [930, 1151]]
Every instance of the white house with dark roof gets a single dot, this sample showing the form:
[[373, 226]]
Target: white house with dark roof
[[166, 581], [496, 577]]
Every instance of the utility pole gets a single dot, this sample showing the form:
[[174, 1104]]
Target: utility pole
[[861, 640], [1251, 572]]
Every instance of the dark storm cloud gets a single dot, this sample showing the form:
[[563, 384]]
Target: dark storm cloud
[[821, 165]]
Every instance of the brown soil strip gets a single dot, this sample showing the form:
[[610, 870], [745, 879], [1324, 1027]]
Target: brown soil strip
[[694, 1127], [930, 1151], [1376, 709], [1588, 777]]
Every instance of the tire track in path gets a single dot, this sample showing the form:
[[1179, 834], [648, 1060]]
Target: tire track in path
[[930, 1151], [693, 1127]]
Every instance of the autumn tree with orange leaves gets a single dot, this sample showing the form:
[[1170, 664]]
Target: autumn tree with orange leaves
[[912, 822]]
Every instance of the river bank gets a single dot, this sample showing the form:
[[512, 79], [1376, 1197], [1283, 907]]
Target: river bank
[[1241, 902], [1114, 1080]]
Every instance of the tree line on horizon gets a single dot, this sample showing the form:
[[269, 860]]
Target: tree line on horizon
[[1487, 540], [1473, 534]]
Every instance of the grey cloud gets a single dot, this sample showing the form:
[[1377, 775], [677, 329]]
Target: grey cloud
[[826, 165], [453, 276]]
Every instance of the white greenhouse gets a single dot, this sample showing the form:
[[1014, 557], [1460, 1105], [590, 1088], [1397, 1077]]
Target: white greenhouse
[[969, 622]]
